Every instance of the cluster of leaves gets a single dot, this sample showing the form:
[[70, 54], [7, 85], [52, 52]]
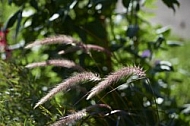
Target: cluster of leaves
[[103, 40]]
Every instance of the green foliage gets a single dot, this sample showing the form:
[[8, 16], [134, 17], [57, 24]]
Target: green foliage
[[181, 77], [15, 95], [102, 41]]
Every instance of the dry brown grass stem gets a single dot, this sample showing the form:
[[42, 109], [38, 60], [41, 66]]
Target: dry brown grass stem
[[60, 39], [115, 77], [57, 62], [68, 83], [78, 115]]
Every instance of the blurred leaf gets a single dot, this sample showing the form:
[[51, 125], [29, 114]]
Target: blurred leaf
[[163, 30], [19, 2], [174, 43], [12, 19], [137, 7], [171, 3], [158, 42], [163, 66], [15, 80], [19, 19], [132, 31], [126, 3], [10, 2], [34, 4], [186, 109], [115, 47]]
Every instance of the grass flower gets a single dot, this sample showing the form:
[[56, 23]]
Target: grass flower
[[68, 83], [70, 119], [60, 39], [115, 77], [56, 62]]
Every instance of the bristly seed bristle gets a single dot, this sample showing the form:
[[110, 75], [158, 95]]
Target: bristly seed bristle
[[115, 77]]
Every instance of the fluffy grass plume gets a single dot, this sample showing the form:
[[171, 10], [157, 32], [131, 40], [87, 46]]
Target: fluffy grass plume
[[115, 77], [70, 119], [60, 39], [56, 62], [68, 83], [63, 39]]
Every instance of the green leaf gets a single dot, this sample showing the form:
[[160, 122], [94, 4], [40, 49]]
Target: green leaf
[[171, 3], [14, 80], [132, 31], [126, 3], [12, 19], [34, 4], [10, 2], [158, 42], [164, 66], [174, 43], [163, 30], [19, 19]]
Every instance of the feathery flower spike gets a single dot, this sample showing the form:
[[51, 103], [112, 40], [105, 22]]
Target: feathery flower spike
[[56, 62], [78, 115], [60, 39], [68, 83], [71, 118], [115, 77]]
